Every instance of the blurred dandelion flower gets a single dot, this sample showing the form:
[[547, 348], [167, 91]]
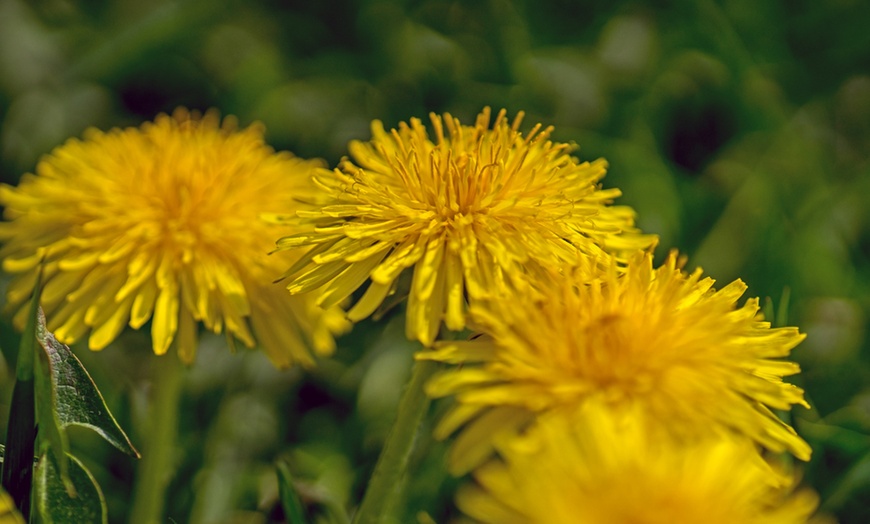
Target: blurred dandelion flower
[[605, 466], [478, 209], [8, 512], [162, 222], [660, 337]]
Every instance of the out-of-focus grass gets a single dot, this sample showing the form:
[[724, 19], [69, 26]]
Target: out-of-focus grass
[[739, 130]]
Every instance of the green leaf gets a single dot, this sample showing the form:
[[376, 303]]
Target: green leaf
[[51, 433], [53, 501], [842, 439], [78, 400], [293, 510], [855, 481]]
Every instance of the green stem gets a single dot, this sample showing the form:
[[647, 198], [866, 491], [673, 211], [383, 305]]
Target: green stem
[[20, 444], [158, 464], [393, 462], [17, 475]]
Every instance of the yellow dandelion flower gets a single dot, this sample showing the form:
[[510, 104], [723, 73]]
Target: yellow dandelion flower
[[8, 512], [602, 466], [475, 211], [162, 222], [659, 337]]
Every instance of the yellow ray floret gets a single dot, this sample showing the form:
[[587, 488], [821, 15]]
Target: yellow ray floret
[[599, 466], [659, 337], [475, 211], [162, 223]]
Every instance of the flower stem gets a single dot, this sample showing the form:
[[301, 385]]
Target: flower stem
[[17, 468], [158, 464], [17, 478], [393, 462]]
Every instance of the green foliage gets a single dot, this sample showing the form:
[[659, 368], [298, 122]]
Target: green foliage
[[76, 399], [52, 438], [62, 394], [66, 396], [739, 131], [293, 510], [57, 504], [21, 434]]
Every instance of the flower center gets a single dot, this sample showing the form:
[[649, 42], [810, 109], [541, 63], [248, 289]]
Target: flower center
[[610, 354]]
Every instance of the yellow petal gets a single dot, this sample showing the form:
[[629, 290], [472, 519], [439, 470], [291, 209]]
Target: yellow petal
[[369, 302], [105, 333], [165, 321]]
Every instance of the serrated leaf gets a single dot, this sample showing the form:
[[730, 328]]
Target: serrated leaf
[[293, 510], [78, 400], [56, 506]]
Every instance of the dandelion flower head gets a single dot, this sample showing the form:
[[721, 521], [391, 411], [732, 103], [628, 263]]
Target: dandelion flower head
[[162, 223], [605, 466], [474, 210], [658, 337]]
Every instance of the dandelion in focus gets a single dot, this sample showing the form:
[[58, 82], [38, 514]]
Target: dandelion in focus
[[162, 223], [606, 466], [658, 337], [476, 211]]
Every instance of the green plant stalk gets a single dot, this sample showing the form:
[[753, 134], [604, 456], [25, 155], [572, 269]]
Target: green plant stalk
[[294, 512], [20, 444], [158, 456], [393, 462], [17, 475]]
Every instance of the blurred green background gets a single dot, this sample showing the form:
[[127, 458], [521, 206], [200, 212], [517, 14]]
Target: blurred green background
[[739, 130]]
